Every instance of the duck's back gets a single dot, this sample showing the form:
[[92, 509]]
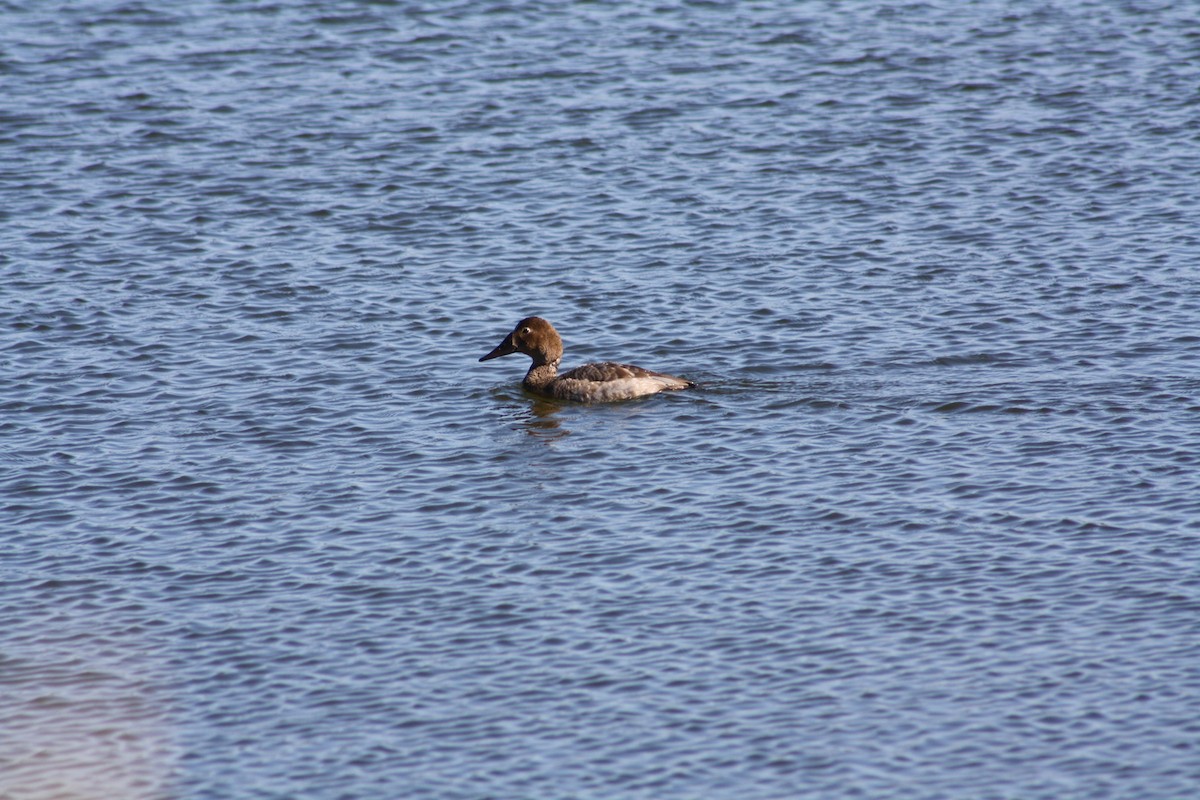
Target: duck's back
[[607, 381]]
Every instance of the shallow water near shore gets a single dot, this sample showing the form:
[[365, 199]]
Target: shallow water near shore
[[928, 527]]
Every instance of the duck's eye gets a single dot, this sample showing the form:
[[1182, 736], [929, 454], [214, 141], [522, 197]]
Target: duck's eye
[[526, 330]]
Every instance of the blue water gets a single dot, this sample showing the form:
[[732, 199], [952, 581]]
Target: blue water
[[929, 527]]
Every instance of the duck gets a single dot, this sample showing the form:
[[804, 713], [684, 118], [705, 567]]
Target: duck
[[602, 382]]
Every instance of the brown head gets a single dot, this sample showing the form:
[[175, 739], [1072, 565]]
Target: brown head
[[533, 336]]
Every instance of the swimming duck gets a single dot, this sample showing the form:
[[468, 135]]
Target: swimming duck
[[591, 383]]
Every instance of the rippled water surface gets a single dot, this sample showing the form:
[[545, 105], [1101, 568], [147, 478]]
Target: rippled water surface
[[929, 528]]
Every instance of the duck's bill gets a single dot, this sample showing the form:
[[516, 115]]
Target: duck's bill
[[502, 349]]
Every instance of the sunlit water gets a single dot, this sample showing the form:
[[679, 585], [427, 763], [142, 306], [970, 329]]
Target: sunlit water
[[929, 528]]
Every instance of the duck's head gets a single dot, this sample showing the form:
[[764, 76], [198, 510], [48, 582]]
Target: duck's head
[[533, 336]]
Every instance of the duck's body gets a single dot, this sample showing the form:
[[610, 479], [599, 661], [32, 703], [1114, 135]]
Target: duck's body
[[591, 383]]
